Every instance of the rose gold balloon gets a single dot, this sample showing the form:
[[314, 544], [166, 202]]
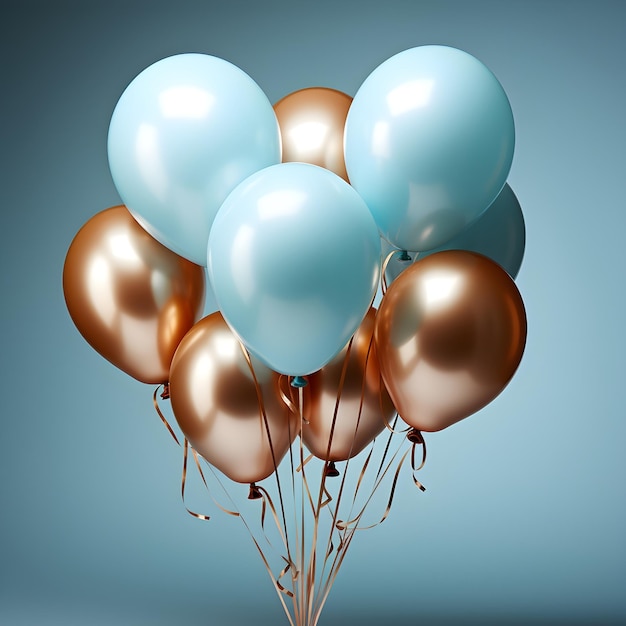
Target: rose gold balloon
[[311, 124], [450, 334], [364, 404], [215, 402], [130, 297]]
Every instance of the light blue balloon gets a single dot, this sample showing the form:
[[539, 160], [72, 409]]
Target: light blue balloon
[[294, 260], [184, 134], [428, 144], [499, 233]]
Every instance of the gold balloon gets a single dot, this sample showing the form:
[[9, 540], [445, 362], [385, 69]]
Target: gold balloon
[[364, 405], [311, 125], [130, 297], [215, 401], [450, 334]]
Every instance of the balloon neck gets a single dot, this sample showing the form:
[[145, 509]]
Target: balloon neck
[[415, 436], [255, 492], [299, 381], [330, 470], [404, 256], [165, 394]]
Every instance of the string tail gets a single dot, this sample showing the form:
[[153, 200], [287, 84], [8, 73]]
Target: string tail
[[165, 395]]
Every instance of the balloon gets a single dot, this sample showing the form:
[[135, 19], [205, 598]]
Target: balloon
[[364, 405], [294, 259], [429, 142], [215, 402], [131, 298], [311, 124], [184, 133], [498, 233], [450, 334]]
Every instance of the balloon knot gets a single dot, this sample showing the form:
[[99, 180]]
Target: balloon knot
[[415, 436], [166, 391], [299, 381], [404, 256], [330, 470], [255, 492]]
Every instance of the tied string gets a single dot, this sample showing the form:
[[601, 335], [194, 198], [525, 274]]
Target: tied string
[[183, 483], [288, 399], [263, 416], [336, 525], [417, 439], [165, 395], [266, 503], [353, 523], [280, 589], [383, 276], [324, 496], [201, 516], [282, 531], [349, 530]]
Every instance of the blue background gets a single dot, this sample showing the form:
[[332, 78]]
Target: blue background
[[525, 514]]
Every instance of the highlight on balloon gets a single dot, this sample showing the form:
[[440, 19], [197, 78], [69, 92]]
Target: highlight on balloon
[[360, 253]]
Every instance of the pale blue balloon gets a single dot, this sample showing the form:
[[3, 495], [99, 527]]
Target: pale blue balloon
[[294, 260], [499, 233], [184, 134], [428, 143]]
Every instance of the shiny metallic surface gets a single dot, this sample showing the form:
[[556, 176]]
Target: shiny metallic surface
[[311, 125], [215, 400], [450, 334], [130, 297], [362, 392]]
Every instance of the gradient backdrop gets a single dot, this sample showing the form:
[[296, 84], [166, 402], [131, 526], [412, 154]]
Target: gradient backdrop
[[525, 515]]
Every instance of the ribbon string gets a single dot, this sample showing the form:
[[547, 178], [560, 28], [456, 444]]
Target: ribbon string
[[312, 559], [164, 395]]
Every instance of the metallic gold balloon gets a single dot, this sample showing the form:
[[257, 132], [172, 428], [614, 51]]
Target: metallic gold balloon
[[450, 334], [364, 405], [215, 401], [311, 125], [130, 297]]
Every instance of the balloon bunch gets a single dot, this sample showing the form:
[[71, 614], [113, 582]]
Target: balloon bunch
[[302, 212]]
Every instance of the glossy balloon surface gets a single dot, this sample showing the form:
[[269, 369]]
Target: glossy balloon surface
[[216, 403], [499, 233], [429, 143], [312, 123], [450, 334], [184, 133], [346, 403], [130, 297], [294, 259]]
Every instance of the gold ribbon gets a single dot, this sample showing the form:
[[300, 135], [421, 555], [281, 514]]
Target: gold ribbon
[[164, 395]]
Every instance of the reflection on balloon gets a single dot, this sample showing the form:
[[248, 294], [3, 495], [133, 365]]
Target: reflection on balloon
[[450, 334], [359, 401], [294, 259], [130, 297], [216, 403], [428, 144], [312, 123], [184, 133]]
